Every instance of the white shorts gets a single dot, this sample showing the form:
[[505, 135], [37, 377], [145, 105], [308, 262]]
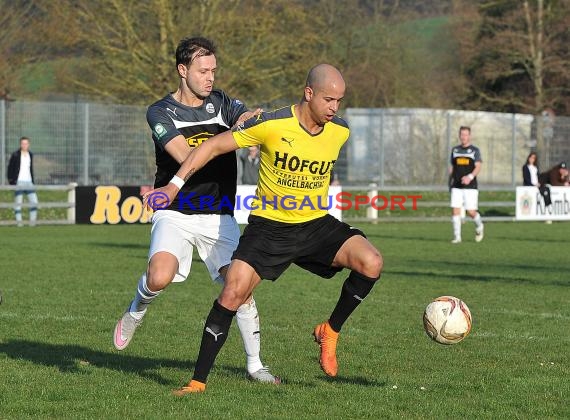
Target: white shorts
[[215, 236], [468, 198]]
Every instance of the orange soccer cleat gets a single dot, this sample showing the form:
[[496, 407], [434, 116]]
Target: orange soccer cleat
[[327, 339], [192, 388]]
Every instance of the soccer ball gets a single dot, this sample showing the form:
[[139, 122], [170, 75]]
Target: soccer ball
[[447, 320]]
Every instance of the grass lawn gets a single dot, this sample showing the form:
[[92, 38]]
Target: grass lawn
[[64, 287]]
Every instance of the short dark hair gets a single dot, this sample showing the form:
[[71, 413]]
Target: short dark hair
[[464, 127], [24, 138], [189, 46]]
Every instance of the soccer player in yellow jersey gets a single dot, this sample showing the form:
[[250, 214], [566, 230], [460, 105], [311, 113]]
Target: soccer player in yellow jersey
[[289, 222]]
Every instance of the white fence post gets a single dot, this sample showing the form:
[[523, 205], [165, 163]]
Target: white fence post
[[371, 212], [85, 144], [71, 201]]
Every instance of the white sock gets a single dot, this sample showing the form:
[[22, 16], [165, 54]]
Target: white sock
[[143, 297], [478, 222], [248, 323], [456, 223]]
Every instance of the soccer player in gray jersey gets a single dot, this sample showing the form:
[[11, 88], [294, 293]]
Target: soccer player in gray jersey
[[465, 166], [203, 218]]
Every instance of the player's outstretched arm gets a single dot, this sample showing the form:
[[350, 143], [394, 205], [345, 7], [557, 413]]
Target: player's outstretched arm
[[197, 159], [208, 150]]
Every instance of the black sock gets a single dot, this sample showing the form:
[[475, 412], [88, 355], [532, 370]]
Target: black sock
[[355, 288], [213, 338]]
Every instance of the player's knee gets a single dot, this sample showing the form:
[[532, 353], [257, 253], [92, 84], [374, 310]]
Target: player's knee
[[372, 264], [233, 294], [158, 278], [231, 299]]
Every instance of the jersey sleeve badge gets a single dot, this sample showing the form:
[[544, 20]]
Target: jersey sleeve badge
[[159, 130]]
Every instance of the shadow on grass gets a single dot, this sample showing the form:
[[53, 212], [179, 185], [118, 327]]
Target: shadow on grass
[[75, 359], [404, 238], [534, 240], [480, 277], [537, 269], [426, 238]]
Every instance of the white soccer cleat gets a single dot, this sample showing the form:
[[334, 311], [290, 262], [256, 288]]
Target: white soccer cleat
[[265, 376], [479, 235], [456, 241], [125, 330]]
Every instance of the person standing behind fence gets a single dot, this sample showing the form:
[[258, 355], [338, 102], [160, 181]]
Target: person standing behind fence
[[530, 171], [21, 174], [250, 165], [465, 166]]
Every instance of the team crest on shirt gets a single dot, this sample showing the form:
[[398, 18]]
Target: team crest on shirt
[[159, 130], [210, 108]]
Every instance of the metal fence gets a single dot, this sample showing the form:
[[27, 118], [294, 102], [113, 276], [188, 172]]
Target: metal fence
[[402, 147], [80, 142], [92, 143]]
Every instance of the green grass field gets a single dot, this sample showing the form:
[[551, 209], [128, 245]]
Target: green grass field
[[64, 288]]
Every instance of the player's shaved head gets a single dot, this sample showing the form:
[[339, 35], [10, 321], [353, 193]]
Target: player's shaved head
[[323, 74], [324, 90]]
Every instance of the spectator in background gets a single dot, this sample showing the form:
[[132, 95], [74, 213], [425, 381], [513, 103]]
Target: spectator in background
[[21, 174], [250, 165], [335, 180], [556, 176], [530, 171]]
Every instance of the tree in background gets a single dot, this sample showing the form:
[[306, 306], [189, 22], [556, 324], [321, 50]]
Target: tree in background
[[120, 51], [123, 51], [518, 60], [14, 33], [500, 55], [392, 53]]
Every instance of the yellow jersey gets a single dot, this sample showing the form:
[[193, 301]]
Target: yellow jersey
[[295, 168]]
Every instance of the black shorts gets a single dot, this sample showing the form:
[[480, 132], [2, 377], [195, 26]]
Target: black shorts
[[270, 246]]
